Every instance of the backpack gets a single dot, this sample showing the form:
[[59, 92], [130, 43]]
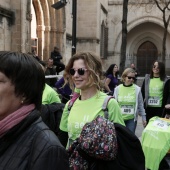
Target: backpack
[[129, 155], [128, 152], [51, 115], [97, 141]]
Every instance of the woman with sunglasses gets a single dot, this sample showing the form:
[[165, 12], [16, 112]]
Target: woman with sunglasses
[[84, 71], [111, 79], [153, 90], [130, 100]]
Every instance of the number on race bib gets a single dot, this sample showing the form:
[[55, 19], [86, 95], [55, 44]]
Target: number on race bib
[[161, 124], [153, 101], [127, 109]]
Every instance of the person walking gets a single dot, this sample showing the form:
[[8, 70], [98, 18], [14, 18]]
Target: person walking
[[84, 71], [135, 69], [111, 79], [25, 141], [130, 100], [34, 54], [153, 90], [56, 56]]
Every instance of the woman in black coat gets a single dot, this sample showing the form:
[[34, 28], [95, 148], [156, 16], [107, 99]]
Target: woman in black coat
[[26, 143]]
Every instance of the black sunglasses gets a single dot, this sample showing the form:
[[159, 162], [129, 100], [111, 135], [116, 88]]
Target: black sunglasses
[[134, 78], [80, 71]]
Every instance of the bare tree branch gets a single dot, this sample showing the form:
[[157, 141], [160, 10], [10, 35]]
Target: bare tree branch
[[165, 7]]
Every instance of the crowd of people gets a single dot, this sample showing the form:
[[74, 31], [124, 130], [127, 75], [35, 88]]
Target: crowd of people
[[28, 142]]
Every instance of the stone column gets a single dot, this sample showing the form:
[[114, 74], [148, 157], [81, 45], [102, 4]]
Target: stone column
[[40, 34], [46, 53]]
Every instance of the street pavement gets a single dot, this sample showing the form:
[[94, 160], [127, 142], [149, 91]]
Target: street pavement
[[139, 129]]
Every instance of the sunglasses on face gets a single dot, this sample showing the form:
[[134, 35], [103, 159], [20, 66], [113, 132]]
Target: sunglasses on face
[[131, 77], [80, 71]]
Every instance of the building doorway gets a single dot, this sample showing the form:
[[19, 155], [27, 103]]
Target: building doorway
[[147, 53]]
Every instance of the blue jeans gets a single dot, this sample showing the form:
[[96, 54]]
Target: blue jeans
[[131, 124]]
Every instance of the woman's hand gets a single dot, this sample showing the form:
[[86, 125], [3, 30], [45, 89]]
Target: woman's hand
[[144, 123], [167, 106], [167, 116], [110, 93]]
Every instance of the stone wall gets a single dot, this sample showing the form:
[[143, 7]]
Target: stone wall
[[15, 30]]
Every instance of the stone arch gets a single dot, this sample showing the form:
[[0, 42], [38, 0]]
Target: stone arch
[[131, 25], [144, 19], [57, 27], [53, 24], [138, 36], [47, 28], [50, 27], [156, 40], [45, 9], [40, 23]]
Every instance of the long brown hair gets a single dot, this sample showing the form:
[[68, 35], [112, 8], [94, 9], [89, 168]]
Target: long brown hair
[[161, 70]]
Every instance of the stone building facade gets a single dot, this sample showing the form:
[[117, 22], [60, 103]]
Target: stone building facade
[[15, 28], [145, 33], [33, 24]]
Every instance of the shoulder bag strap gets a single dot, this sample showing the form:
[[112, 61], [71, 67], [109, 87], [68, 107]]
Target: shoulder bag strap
[[104, 106]]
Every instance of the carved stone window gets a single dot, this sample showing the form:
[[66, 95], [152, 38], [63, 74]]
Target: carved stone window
[[8, 14]]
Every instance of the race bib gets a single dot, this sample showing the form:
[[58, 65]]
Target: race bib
[[153, 101], [127, 109], [161, 124]]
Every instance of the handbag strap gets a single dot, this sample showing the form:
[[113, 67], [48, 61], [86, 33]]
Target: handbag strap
[[104, 106]]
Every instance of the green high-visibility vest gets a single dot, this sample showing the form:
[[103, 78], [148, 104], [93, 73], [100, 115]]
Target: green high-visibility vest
[[156, 141]]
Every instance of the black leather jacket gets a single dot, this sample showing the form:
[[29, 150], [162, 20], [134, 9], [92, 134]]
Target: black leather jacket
[[30, 145]]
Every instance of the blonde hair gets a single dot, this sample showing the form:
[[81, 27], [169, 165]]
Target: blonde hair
[[126, 72], [93, 64]]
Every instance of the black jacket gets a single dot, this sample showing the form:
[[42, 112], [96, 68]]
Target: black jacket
[[130, 155], [166, 97], [56, 56], [30, 145], [51, 115]]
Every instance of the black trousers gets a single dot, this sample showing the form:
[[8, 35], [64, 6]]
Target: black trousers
[[153, 111], [165, 163]]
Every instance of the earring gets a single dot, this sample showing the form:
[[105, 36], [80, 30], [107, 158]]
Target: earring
[[23, 99]]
